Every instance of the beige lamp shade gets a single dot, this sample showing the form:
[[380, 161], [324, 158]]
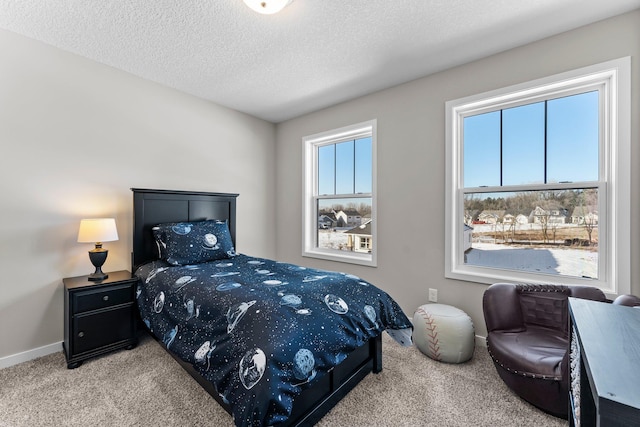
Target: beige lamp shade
[[267, 7], [97, 230]]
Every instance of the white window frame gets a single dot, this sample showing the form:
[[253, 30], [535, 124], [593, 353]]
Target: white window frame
[[613, 79], [310, 213]]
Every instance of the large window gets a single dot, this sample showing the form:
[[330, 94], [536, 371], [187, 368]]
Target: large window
[[538, 181], [339, 200]]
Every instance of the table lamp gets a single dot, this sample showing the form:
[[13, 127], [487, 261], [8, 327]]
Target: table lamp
[[96, 231]]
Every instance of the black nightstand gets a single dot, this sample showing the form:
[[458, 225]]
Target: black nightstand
[[99, 317]]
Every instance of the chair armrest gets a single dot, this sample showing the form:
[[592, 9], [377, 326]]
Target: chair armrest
[[628, 300], [587, 292], [501, 307]]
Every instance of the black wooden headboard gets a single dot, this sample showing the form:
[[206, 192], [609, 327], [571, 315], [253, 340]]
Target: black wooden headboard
[[153, 207]]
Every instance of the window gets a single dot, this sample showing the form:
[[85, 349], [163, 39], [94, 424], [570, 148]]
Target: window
[[339, 201], [538, 181]]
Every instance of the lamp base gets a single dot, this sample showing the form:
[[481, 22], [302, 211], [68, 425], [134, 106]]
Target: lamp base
[[97, 276], [98, 256]]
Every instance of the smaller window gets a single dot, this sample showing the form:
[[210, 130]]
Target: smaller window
[[339, 201]]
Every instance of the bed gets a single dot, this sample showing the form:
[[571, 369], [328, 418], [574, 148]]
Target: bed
[[273, 343]]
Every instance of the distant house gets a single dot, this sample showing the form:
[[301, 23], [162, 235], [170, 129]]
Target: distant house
[[508, 219], [348, 218], [522, 219], [327, 220], [553, 215], [471, 216], [584, 215], [360, 239], [491, 216]]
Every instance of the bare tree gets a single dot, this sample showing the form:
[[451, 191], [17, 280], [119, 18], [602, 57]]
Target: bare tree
[[589, 224], [512, 231], [544, 222]]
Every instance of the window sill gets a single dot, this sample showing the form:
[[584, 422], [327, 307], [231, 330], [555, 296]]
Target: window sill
[[338, 256], [489, 276]]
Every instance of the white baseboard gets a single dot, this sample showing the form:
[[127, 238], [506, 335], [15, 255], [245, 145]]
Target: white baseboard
[[25, 356]]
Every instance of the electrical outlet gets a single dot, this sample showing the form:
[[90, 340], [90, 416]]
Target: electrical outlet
[[433, 295]]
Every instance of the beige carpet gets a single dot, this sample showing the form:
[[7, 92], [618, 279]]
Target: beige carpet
[[145, 387]]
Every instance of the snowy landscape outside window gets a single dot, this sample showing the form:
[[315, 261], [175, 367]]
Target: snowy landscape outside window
[[339, 205], [538, 181]]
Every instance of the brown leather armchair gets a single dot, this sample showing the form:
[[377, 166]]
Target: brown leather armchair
[[528, 340]]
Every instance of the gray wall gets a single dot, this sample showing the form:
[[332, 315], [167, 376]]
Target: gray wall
[[75, 136], [411, 160]]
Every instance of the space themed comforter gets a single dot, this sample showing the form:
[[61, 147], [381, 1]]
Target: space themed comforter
[[261, 330]]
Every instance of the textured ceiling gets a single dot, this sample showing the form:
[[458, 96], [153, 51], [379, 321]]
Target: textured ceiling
[[313, 54]]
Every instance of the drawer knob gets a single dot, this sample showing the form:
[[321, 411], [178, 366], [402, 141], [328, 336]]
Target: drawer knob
[[105, 298], [80, 334]]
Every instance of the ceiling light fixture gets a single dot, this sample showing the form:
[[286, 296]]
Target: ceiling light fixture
[[267, 7]]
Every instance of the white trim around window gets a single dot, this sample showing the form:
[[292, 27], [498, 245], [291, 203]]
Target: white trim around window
[[613, 80], [310, 225]]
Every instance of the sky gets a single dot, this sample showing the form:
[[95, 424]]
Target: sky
[[571, 150], [505, 147], [345, 168]]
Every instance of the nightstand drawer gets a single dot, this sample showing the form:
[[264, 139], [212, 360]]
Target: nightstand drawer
[[102, 328], [102, 298]]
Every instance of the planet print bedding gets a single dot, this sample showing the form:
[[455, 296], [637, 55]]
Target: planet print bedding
[[260, 330]]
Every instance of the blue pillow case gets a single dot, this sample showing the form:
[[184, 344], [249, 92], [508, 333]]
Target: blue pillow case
[[186, 243]]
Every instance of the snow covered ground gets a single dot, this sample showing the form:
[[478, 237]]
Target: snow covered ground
[[561, 261], [332, 239]]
